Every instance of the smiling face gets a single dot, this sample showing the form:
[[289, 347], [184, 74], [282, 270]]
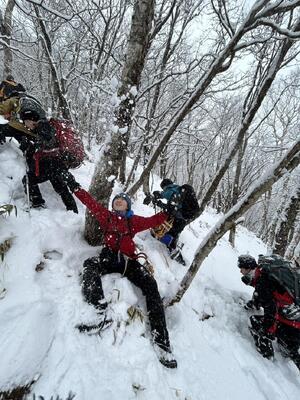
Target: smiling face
[[120, 204]]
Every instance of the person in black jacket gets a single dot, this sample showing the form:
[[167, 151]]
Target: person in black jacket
[[44, 162], [275, 323]]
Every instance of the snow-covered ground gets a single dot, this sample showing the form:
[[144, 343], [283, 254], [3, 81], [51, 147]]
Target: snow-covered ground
[[40, 308]]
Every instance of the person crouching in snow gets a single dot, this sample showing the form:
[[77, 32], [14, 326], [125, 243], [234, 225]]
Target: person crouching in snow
[[119, 255], [281, 316]]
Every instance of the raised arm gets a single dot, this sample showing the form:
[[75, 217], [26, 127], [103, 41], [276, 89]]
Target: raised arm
[[101, 213], [142, 223]]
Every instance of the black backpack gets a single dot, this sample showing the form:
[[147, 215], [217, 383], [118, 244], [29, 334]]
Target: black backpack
[[189, 202], [283, 272]]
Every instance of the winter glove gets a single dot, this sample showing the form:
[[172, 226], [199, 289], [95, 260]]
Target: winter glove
[[162, 205], [251, 305], [155, 196], [24, 144], [70, 181], [147, 199], [170, 208]]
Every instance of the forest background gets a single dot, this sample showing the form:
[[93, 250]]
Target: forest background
[[202, 92]]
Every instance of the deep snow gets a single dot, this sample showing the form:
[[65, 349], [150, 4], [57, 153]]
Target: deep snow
[[39, 309]]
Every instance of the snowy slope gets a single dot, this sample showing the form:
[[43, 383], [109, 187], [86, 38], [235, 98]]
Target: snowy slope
[[39, 309]]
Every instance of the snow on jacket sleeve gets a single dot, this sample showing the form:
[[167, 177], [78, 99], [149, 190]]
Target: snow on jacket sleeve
[[142, 223], [101, 213]]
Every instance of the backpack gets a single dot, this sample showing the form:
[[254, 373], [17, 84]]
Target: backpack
[[171, 193], [283, 272], [10, 88], [189, 202], [70, 144]]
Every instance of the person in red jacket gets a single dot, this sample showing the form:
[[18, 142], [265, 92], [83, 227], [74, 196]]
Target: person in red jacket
[[275, 323], [119, 254]]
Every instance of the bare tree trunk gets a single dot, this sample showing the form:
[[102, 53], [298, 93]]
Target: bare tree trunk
[[291, 250], [108, 168], [59, 92], [290, 161], [235, 190], [6, 30], [289, 218], [272, 228]]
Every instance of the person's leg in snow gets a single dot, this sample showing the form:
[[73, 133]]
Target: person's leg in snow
[[92, 284], [262, 340], [174, 232], [56, 172], [30, 183], [110, 262], [141, 277], [93, 294]]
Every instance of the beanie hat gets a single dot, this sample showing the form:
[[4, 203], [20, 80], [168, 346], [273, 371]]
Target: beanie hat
[[29, 115], [246, 261], [165, 182], [125, 197], [10, 78]]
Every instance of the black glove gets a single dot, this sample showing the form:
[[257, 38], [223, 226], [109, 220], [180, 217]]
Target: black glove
[[24, 144], [147, 199], [170, 208], [251, 305], [155, 196], [70, 181], [73, 185], [162, 205]]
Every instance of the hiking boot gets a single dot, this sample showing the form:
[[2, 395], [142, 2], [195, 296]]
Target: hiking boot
[[165, 357], [263, 344], [37, 203], [176, 255]]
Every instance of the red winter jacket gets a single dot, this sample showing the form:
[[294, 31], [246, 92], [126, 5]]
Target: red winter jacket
[[118, 230]]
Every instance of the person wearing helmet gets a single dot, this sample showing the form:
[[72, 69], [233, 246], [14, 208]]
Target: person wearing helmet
[[119, 255], [13, 109], [8, 86], [273, 297]]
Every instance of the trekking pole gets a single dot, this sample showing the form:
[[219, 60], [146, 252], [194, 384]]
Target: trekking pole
[[27, 185], [27, 193]]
